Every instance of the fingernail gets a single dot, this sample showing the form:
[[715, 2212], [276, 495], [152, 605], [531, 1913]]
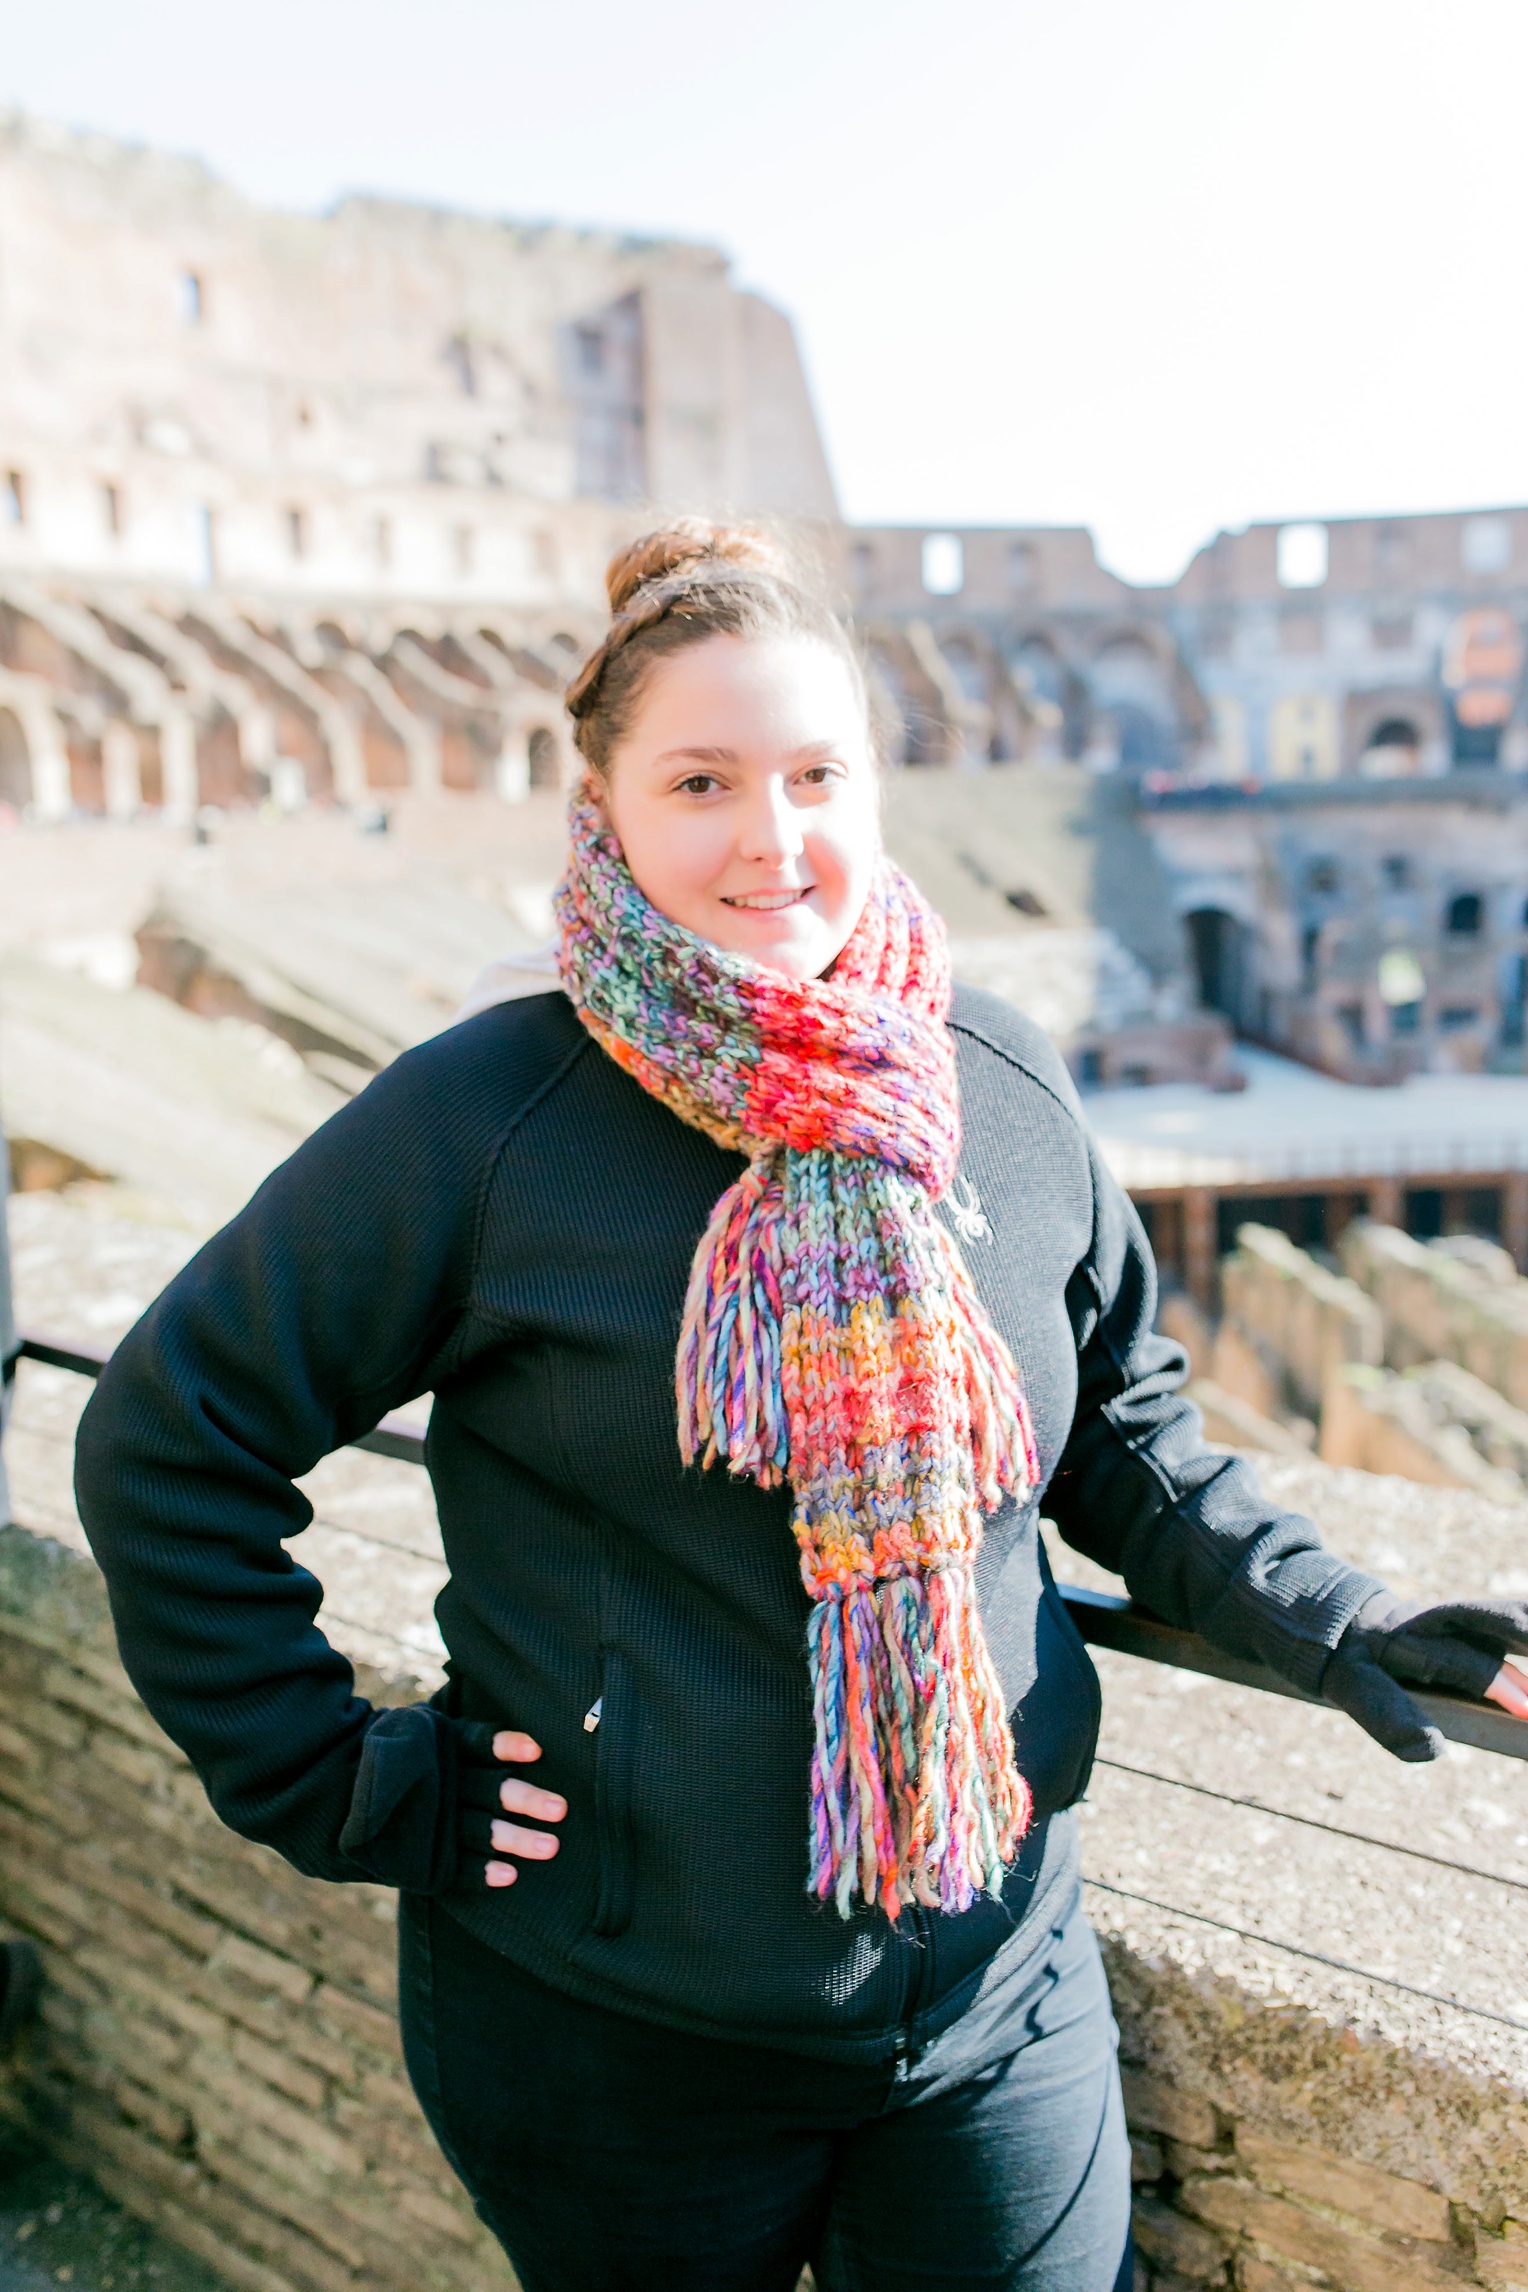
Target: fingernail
[[500, 1874]]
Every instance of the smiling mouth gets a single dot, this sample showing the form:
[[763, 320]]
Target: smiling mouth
[[766, 902]]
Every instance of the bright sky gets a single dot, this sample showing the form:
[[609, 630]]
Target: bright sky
[[1154, 266]]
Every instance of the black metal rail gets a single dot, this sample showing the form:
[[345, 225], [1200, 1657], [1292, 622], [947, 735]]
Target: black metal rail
[[1102, 1618]]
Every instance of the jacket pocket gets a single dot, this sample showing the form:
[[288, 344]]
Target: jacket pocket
[[613, 1747], [1053, 1612]]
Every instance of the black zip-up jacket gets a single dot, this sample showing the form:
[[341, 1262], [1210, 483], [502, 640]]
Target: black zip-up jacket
[[506, 1219]]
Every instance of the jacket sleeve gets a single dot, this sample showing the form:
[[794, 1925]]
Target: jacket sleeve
[[332, 1297], [1137, 1490]]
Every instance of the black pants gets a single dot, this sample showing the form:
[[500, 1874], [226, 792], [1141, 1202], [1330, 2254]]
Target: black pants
[[613, 2155]]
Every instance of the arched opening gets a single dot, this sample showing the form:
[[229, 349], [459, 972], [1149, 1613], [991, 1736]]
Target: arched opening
[[15, 762], [1037, 670], [1466, 914], [541, 757], [1130, 683], [1392, 750], [1219, 949], [1056, 697]]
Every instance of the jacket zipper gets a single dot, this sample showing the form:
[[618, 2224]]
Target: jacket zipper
[[920, 1981]]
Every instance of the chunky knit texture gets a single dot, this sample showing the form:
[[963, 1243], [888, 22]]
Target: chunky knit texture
[[832, 1338]]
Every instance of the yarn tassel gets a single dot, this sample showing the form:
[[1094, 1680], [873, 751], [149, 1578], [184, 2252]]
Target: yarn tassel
[[727, 1379], [915, 1795]]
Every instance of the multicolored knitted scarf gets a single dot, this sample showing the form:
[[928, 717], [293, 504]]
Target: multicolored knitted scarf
[[832, 1338]]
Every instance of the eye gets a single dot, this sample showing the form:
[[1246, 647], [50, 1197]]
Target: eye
[[698, 784], [818, 775]]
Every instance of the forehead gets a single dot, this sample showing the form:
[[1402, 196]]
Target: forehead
[[748, 693]]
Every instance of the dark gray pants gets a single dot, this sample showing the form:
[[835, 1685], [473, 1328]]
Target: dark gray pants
[[612, 2155]]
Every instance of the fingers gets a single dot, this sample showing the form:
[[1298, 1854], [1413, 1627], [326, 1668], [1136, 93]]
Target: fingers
[[1498, 1624], [1510, 1690], [511, 1838], [1381, 1708], [1454, 1664], [509, 1744], [524, 1798]]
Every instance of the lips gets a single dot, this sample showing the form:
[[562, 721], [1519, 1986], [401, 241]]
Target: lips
[[765, 902]]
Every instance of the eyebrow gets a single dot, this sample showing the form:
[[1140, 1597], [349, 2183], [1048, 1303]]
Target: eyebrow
[[730, 755]]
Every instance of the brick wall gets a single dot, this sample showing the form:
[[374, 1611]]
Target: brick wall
[[218, 2045], [1219, 2203]]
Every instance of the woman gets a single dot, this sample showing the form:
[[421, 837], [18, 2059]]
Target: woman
[[740, 1920]]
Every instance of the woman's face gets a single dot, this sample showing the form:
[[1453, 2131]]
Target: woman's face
[[744, 798]]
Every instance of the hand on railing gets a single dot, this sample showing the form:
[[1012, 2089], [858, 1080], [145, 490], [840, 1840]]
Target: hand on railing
[[1457, 1645]]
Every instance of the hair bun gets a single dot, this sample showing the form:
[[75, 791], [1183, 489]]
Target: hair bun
[[687, 544]]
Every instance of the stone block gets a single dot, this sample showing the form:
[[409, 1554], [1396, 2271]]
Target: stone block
[[1146, 2160], [1362, 2191], [1242, 1367], [262, 1969], [357, 2021], [110, 1706], [1182, 2158], [354, 2223], [434, 2213], [1359, 2263], [1169, 2241], [1152, 2105], [1254, 2275], [135, 1763], [247, 2097], [269, 2062]]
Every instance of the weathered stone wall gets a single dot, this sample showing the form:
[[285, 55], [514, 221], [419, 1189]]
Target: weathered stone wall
[[1441, 1305], [1289, 1325], [218, 2044]]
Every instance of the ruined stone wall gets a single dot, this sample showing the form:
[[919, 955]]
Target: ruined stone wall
[[388, 400], [218, 2045], [1289, 1324]]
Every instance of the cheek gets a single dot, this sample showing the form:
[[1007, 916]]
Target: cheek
[[845, 856], [672, 860]]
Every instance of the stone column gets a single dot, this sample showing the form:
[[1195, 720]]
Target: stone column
[[1386, 1207], [1514, 1217], [177, 764], [1199, 1244], [120, 771]]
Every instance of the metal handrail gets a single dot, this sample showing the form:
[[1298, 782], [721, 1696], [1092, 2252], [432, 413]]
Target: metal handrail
[[1103, 1619]]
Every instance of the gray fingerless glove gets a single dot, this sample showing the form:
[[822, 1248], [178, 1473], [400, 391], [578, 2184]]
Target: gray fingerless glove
[[1457, 1646]]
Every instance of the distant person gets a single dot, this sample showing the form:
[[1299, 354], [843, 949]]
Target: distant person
[[780, 1957]]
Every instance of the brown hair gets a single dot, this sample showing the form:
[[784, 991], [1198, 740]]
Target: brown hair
[[689, 581]]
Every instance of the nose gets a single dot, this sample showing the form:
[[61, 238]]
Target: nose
[[772, 833]]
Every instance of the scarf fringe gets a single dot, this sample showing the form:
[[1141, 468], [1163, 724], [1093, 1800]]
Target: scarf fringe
[[727, 1380], [915, 1794]]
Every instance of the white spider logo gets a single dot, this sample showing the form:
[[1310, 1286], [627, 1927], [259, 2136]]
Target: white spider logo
[[967, 1215]]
